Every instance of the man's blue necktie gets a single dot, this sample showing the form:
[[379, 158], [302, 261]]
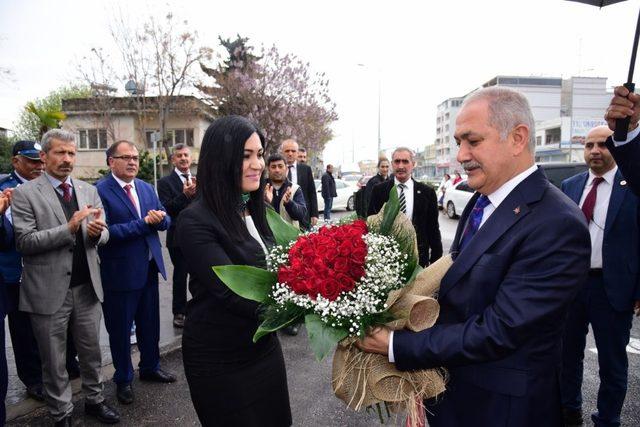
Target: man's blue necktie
[[475, 218]]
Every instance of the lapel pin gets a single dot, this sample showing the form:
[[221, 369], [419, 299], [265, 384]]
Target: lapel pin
[[623, 182], [516, 210], [418, 191]]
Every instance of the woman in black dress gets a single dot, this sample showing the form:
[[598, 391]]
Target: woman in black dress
[[233, 382]]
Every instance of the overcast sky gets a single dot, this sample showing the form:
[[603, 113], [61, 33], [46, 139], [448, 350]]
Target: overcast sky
[[421, 52]]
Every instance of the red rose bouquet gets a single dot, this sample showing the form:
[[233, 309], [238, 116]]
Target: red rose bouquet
[[343, 279]]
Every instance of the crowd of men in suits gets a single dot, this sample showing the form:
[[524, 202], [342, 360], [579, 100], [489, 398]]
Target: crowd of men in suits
[[533, 267]]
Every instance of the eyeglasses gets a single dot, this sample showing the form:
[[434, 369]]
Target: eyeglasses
[[127, 158]]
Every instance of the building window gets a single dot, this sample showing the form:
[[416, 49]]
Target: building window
[[174, 136], [538, 141], [92, 139]]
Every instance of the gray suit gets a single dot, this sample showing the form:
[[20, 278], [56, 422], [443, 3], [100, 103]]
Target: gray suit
[[46, 244]]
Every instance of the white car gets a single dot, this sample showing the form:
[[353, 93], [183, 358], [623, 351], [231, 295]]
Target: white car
[[456, 198], [345, 199]]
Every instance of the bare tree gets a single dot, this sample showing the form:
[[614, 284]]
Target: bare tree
[[160, 56]]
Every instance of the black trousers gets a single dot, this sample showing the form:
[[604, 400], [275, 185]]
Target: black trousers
[[179, 304]]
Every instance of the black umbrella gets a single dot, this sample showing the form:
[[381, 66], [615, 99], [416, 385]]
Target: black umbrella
[[622, 125]]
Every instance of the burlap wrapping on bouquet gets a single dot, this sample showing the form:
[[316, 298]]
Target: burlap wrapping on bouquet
[[364, 379]]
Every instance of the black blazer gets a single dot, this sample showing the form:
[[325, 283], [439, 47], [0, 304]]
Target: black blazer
[[174, 201], [305, 181], [220, 324], [425, 217]]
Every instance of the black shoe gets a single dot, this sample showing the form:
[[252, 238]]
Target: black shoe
[[36, 392], [65, 422], [291, 330], [102, 412], [572, 417], [124, 392], [178, 320], [158, 376]]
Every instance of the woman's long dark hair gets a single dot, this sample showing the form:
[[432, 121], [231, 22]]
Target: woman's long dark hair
[[220, 176]]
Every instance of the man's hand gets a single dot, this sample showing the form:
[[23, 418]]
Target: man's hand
[[636, 308], [8, 192], [287, 195], [154, 217], [79, 216], [623, 104], [268, 193], [189, 188], [377, 341], [4, 203], [314, 220]]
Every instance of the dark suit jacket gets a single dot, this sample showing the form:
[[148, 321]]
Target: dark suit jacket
[[503, 304], [425, 217], [627, 157], [305, 181], [328, 186], [125, 258], [621, 242], [220, 324], [174, 201]]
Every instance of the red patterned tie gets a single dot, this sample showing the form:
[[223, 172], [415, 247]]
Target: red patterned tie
[[127, 188], [66, 191], [590, 201]]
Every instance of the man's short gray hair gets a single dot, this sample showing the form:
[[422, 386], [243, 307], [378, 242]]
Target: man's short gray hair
[[412, 155], [508, 108], [60, 135], [178, 147]]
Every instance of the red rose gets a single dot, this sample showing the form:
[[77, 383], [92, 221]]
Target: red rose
[[330, 289]]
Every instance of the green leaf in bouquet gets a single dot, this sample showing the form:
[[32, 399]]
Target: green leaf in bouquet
[[277, 318], [322, 338], [348, 219], [249, 282], [391, 209], [282, 231]]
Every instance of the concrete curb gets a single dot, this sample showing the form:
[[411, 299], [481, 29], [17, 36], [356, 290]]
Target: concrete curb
[[27, 406]]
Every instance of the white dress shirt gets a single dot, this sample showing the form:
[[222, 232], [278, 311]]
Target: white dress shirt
[[134, 193], [182, 178], [408, 194], [631, 135], [495, 199], [596, 226]]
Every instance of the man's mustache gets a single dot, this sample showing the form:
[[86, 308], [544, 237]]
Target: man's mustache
[[471, 164]]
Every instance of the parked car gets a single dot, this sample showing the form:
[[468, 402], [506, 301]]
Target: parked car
[[557, 172], [457, 197], [345, 199]]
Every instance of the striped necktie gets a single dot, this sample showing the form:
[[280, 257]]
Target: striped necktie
[[402, 198]]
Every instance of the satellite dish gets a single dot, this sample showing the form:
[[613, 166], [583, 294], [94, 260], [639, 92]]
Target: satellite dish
[[132, 88]]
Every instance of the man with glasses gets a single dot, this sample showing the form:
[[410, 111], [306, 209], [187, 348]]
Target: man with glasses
[[130, 265], [612, 291]]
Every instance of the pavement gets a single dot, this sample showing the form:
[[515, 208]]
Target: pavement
[[312, 402]]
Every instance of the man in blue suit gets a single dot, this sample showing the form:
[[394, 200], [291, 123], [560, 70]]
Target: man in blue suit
[[522, 253], [607, 300], [130, 265]]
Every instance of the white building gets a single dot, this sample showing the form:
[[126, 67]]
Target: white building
[[98, 122], [564, 111], [445, 145]]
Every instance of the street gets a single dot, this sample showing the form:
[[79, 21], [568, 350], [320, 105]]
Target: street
[[312, 401]]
